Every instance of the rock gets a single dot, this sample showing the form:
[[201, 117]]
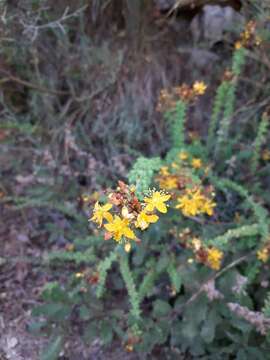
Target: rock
[[12, 342], [164, 5], [213, 23], [203, 59]]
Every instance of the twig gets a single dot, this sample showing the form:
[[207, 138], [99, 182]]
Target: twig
[[26, 83], [34, 29], [212, 278]]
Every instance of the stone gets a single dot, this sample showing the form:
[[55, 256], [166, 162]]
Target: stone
[[213, 23]]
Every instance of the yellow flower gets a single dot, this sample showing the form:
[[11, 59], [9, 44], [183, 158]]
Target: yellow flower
[[127, 247], [129, 348], [196, 163], [263, 254], [119, 227], [101, 212], [183, 155], [238, 45], [199, 87], [208, 207], [156, 201], [190, 203], [258, 40], [70, 247], [79, 275], [164, 171], [214, 258], [126, 214], [196, 243], [266, 155], [143, 220], [168, 183]]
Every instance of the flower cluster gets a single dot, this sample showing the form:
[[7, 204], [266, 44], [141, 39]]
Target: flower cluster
[[168, 99], [248, 37], [194, 202], [123, 213], [266, 155], [192, 198], [214, 258], [209, 256], [264, 253]]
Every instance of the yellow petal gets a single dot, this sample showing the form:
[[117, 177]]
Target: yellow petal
[[161, 207], [128, 233], [165, 197], [107, 207], [117, 236], [110, 227], [149, 207], [152, 218], [108, 216], [127, 247]]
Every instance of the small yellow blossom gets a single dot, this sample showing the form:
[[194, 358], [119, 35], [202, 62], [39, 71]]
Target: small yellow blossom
[[70, 247], [164, 171], [127, 247], [196, 163], [126, 214], [156, 201], [196, 243], [169, 182], [101, 212], [183, 155], [258, 40], [191, 202], [263, 254], [199, 87], [79, 275], [238, 45], [175, 166], [129, 348], [119, 227], [266, 155], [143, 220], [190, 261], [208, 207], [214, 258]]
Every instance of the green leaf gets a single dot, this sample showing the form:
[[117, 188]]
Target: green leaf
[[90, 333], [84, 312], [197, 310], [190, 330], [175, 277], [163, 263], [52, 311], [53, 292], [36, 327], [106, 332], [139, 256], [162, 331], [176, 334], [52, 351], [161, 308], [209, 327], [242, 355]]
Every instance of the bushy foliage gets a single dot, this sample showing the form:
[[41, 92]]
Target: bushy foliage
[[188, 276]]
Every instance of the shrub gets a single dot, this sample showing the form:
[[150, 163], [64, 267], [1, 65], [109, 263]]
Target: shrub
[[187, 242]]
